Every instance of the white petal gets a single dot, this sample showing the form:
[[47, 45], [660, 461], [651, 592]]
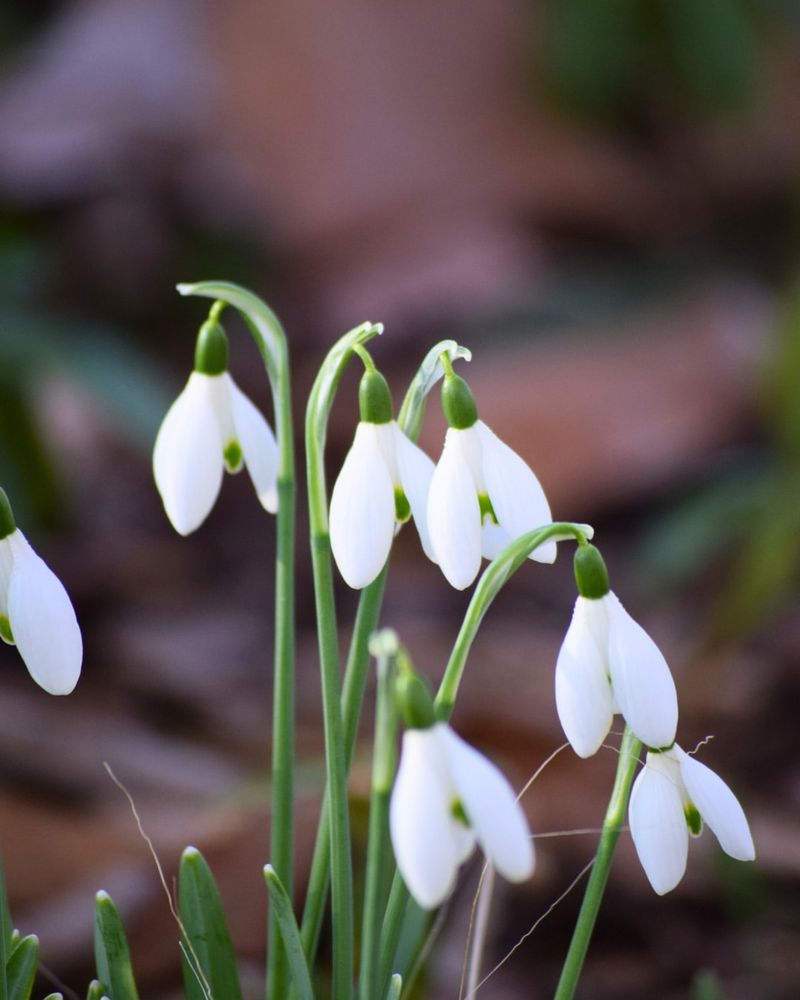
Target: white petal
[[454, 514], [584, 700], [718, 806], [43, 621], [420, 824], [362, 511], [658, 823], [494, 538], [643, 686], [187, 457], [516, 494], [491, 807], [258, 446], [416, 471]]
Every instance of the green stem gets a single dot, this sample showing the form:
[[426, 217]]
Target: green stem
[[318, 410], [385, 647], [271, 342], [355, 678], [612, 826]]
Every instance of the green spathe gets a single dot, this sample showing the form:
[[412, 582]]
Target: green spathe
[[374, 398], [591, 575], [211, 350], [458, 403]]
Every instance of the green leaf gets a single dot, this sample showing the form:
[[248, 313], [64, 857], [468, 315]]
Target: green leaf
[[21, 968], [5, 935], [111, 953], [96, 991], [54, 996], [290, 934], [209, 941]]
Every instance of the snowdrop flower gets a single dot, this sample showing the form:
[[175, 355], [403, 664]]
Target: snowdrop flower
[[446, 796], [672, 796], [211, 426], [607, 664], [36, 613], [384, 480], [482, 495]]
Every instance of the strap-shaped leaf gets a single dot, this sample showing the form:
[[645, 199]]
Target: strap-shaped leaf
[[111, 953], [282, 907], [21, 968], [209, 941], [96, 991]]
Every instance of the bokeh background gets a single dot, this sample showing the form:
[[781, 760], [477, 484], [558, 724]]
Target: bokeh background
[[598, 197]]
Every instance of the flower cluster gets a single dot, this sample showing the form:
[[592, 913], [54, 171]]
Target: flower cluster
[[608, 664]]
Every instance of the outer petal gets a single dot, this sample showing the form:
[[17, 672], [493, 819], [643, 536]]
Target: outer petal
[[187, 458], [416, 471], [491, 807], [258, 446], [584, 699], [43, 621], [454, 514], [642, 682], [718, 806], [362, 511], [516, 494], [427, 854], [658, 824]]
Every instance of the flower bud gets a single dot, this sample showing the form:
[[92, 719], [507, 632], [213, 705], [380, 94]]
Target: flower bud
[[211, 350], [458, 403], [374, 398], [591, 575]]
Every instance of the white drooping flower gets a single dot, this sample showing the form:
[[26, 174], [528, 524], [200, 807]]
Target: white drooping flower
[[482, 497], [607, 664], [212, 426], [384, 480], [37, 616], [673, 795], [446, 796]]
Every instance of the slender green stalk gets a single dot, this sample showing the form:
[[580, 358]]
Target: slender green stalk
[[612, 825], [271, 342], [385, 647], [496, 574], [355, 675], [317, 413]]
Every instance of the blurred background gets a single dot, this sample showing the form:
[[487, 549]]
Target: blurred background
[[601, 200]]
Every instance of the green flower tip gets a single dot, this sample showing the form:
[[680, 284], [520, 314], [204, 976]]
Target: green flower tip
[[591, 575], [415, 699], [374, 398], [458, 402], [7, 523], [211, 351]]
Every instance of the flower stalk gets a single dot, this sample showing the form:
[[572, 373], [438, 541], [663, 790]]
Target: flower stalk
[[271, 341], [593, 896]]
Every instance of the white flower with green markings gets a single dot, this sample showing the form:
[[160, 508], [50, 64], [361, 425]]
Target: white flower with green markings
[[673, 795], [211, 427], [447, 796], [36, 613], [482, 494], [383, 482], [608, 664]]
